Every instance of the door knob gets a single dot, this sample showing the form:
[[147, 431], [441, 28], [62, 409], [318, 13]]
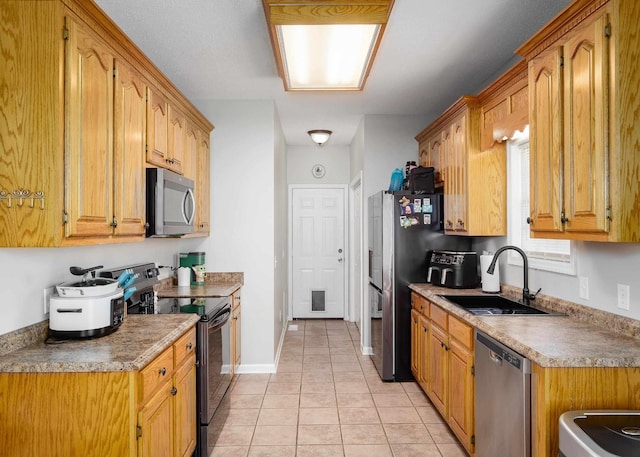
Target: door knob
[[339, 251]]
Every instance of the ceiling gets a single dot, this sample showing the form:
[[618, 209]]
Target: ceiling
[[432, 52]]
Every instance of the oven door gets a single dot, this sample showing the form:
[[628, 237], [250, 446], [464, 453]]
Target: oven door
[[213, 374]]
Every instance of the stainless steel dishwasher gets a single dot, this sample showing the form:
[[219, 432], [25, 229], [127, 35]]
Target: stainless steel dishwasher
[[503, 400]]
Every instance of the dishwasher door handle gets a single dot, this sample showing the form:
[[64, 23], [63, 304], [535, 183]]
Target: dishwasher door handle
[[495, 358]]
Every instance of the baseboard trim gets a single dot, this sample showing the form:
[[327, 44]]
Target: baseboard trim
[[256, 368]]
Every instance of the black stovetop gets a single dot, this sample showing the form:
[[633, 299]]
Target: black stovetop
[[207, 308]]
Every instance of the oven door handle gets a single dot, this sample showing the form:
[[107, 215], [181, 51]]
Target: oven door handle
[[221, 318]]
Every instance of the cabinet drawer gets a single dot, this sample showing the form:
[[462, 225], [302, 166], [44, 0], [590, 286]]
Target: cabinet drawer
[[419, 304], [438, 316], [461, 332], [156, 373], [185, 346]]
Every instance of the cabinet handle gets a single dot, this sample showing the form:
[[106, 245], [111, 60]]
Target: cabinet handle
[[235, 318], [529, 221], [146, 225], [563, 218], [174, 391], [114, 222], [189, 346], [162, 371]]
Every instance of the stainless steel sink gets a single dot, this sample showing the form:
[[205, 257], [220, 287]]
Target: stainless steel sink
[[493, 305], [600, 433]]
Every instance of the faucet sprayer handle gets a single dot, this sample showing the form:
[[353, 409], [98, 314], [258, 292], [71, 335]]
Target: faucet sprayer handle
[[533, 296]]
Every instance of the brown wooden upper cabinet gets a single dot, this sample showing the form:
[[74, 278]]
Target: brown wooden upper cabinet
[[583, 80], [474, 181], [105, 125], [74, 144], [167, 134]]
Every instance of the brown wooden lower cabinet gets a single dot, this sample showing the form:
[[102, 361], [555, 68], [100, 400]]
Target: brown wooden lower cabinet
[[236, 331], [150, 412], [443, 366], [556, 390]]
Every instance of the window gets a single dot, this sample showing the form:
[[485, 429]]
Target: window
[[543, 254]]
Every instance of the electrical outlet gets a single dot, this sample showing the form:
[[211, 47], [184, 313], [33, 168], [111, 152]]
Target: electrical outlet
[[46, 295], [584, 287], [623, 296]]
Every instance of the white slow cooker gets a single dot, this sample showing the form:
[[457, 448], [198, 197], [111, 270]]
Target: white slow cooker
[[88, 308]]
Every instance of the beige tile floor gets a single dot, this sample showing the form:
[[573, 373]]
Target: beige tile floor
[[327, 400]]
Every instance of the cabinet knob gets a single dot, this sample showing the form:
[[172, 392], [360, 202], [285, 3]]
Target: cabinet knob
[[189, 346], [114, 222], [146, 225], [563, 218], [529, 220], [162, 371], [174, 391]]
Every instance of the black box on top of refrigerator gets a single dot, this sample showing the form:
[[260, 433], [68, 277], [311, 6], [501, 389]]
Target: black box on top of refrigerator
[[403, 229]]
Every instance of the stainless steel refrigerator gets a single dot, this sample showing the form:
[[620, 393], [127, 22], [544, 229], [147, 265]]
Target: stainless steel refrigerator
[[403, 227]]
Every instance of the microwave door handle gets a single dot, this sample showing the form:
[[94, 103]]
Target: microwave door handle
[[188, 195]]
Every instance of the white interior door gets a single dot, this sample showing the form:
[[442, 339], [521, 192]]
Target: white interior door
[[318, 252]]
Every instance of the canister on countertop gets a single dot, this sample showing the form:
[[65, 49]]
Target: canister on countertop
[[490, 282]]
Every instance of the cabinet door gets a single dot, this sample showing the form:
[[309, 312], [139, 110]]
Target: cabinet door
[[545, 123], [430, 156], [416, 344], [177, 137], [157, 129], [155, 420], [458, 151], [585, 129], [461, 400], [190, 165], [89, 129], [203, 186], [425, 361], [438, 368], [449, 167], [130, 126], [236, 347], [185, 409]]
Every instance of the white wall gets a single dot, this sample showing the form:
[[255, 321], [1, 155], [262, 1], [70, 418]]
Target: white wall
[[243, 211], [280, 241], [301, 159], [389, 142], [604, 265], [27, 271]]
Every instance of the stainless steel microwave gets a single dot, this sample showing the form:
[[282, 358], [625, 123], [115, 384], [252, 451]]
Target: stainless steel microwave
[[171, 204]]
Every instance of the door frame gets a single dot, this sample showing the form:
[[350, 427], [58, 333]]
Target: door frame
[[346, 249], [355, 309]]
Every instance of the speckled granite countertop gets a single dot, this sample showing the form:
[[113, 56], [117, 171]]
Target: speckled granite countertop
[[217, 284], [139, 340], [208, 290], [572, 340]]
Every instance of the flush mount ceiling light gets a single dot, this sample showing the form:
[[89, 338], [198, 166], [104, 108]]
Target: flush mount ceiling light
[[325, 44], [320, 137]]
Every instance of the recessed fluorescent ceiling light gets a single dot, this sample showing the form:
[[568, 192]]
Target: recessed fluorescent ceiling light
[[326, 57], [325, 44]]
